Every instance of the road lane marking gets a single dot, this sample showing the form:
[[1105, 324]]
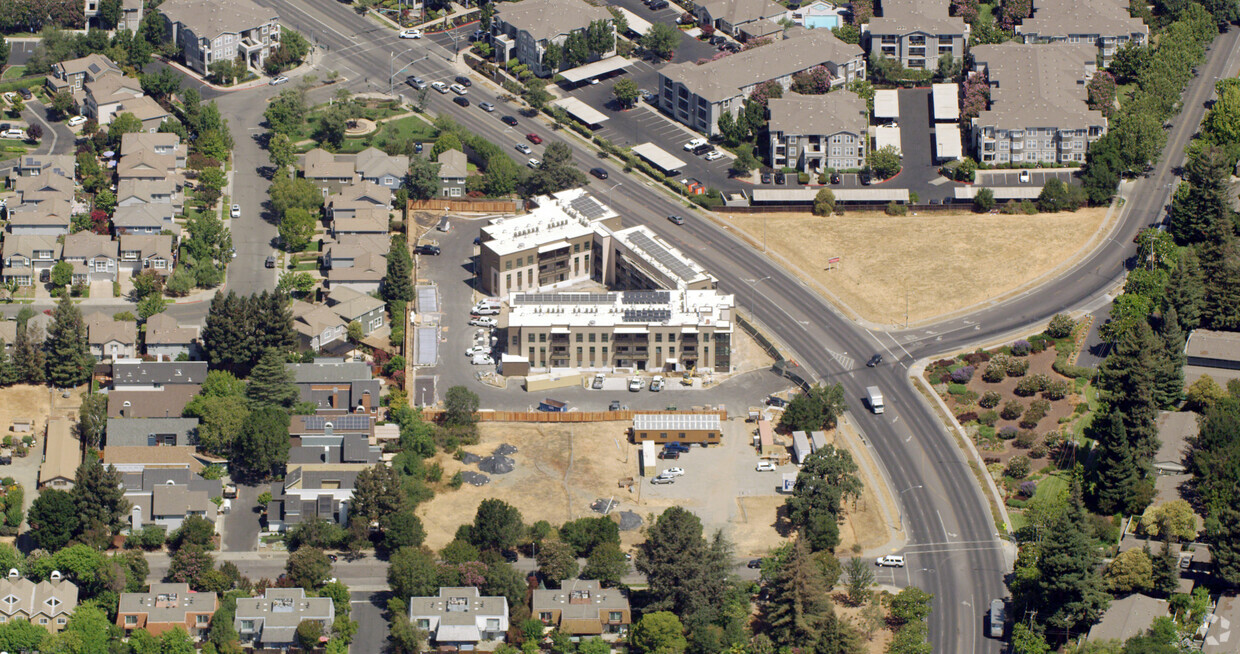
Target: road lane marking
[[941, 524]]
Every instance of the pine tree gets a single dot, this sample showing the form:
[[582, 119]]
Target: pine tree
[[274, 316], [1115, 476], [28, 356], [1220, 263], [8, 371], [799, 605], [230, 334], [1166, 571], [1068, 592], [1126, 379], [1223, 530], [99, 496], [1186, 290], [271, 382], [69, 362], [838, 637], [377, 493], [262, 446], [398, 284], [1169, 371], [1202, 202]]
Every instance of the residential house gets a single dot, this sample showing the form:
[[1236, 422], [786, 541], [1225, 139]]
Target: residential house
[[131, 192], [365, 275], [348, 248], [147, 111], [378, 167], [354, 306], [337, 385], [365, 222], [44, 187], [1038, 110], [1104, 23], [144, 219], [140, 252], [1213, 353], [8, 334], [166, 607], [524, 30], [139, 459], [729, 16], [167, 496], [137, 375], [48, 603], [93, 257], [106, 96], [34, 164], [330, 172], [167, 339], [146, 165], [167, 403], [319, 327], [322, 438], [73, 75], [152, 432], [583, 608], [208, 31], [271, 621], [111, 339], [62, 454], [460, 617], [814, 132], [453, 169], [355, 197], [1127, 617], [28, 257], [698, 95], [916, 33], [313, 490], [159, 143], [47, 218], [130, 17]]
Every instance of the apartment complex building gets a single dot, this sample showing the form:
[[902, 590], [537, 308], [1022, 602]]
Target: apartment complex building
[[524, 29], [1037, 104], [645, 330], [734, 16], [815, 132], [208, 31], [1105, 24], [916, 32], [636, 259], [698, 95]]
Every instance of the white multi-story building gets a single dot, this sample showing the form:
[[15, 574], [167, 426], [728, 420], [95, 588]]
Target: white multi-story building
[[208, 31], [1038, 110], [1103, 23], [916, 33], [524, 29], [815, 132]]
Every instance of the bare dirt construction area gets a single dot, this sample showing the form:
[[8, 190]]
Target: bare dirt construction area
[[25, 402], [933, 264]]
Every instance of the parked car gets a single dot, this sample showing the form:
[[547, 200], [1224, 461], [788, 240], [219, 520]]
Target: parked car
[[25, 93], [483, 321], [439, 86], [533, 138], [835, 178], [278, 81], [416, 82], [663, 480], [1024, 177], [482, 360], [487, 107], [702, 149], [656, 384], [676, 446], [864, 178], [524, 149], [510, 555], [635, 384], [765, 466], [676, 220], [717, 39], [656, 5], [694, 144], [890, 561], [614, 406], [533, 163], [14, 133], [511, 121], [599, 173], [666, 454], [464, 81], [754, 564], [236, 211], [672, 472], [230, 491], [597, 384], [427, 249], [477, 349], [779, 179], [459, 89], [411, 34], [713, 155], [464, 102], [766, 178], [271, 261], [874, 361]]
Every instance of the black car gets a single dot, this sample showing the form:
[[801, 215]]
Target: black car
[[427, 249], [874, 361], [599, 173], [668, 454], [766, 178], [509, 120], [864, 179], [463, 101], [656, 5], [754, 563], [417, 148], [703, 149], [509, 556], [463, 80], [835, 178], [717, 40], [25, 93], [779, 179]]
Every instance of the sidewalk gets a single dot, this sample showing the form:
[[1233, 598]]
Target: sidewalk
[[306, 66]]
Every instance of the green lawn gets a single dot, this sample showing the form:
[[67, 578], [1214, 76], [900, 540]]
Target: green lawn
[[1050, 486], [414, 127], [1091, 396], [13, 72]]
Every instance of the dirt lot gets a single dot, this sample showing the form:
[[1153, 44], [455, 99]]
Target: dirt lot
[[35, 403], [937, 263]]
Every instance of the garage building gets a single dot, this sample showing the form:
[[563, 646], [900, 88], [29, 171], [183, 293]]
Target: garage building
[[677, 427]]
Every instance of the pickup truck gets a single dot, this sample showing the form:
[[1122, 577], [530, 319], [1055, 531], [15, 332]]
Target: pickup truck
[[635, 384], [597, 384], [656, 384]]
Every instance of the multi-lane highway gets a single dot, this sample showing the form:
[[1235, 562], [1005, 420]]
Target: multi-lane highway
[[953, 549]]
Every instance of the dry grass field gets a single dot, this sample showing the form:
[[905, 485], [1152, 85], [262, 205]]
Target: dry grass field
[[934, 264]]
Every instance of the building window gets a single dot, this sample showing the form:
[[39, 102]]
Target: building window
[[578, 337], [424, 624], [131, 619], [531, 337], [542, 337], [614, 616], [202, 619], [591, 337], [545, 616]]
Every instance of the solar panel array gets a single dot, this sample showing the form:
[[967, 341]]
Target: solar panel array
[[647, 315], [646, 297], [665, 258], [589, 207], [564, 298], [350, 422]]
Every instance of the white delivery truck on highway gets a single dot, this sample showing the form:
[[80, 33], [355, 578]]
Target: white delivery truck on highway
[[875, 399]]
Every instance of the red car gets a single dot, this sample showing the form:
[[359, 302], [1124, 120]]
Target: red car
[[534, 138]]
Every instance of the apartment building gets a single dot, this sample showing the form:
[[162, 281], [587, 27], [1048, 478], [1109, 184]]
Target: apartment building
[[460, 618], [646, 330], [547, 248], [636, 259], [166, 607], [73, 75], [916, 32], [1103, 23], [731, 16], [208, 31], [48, 604], [524, 29], [814, 132], [582, 607], [698, 95], [1037, 104], [270, 621]]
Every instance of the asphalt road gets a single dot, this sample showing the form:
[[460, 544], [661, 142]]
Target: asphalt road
[[953, 549]]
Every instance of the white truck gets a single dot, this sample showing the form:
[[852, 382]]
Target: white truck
[[874, 398]]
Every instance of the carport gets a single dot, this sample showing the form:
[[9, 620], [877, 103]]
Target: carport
[[637, 24], [946, 102], [807, 195], [1000, 192], [947, 145], [581, 111], [658, 157], [596, 69], [886, 106], [885, 135]]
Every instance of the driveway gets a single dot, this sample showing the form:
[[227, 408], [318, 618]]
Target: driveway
[[919, 174], [239, 527], [1037, 177], [372, 628]]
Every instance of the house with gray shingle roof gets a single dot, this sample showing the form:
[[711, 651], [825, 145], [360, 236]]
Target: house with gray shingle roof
[[376, 166], [93, 257], [111, 339], [135, 375], [524, 29], [34, 164], [815, 132], [131, 192], [460, 617], [581, 607], [105, 96], [916, 33], [167, 339], [453, 170], [354, 306], [48, 604], [73, 75], [144, 219], [367, 221], [208, 31], [52, 217], [167, 495], [329, 171], [729, 16], [43, 187], [28, 256], [271, 621], [159, 143], [1105, 23], [140, 252], [365, 275], [151, 432], [359, 196]]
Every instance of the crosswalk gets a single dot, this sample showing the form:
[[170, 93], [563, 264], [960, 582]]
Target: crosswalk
[[842, 358]]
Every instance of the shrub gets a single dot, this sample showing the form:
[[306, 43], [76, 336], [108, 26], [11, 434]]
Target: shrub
[[896, 209], [1007, 433], [1012, 409], [1080, 408], [1025, 439], [1028, 488], [962, 375], [1038, 451], [995, 372], [957, 389], [943, 363], [985, 431], [1041, 406], [966, 417], [1056, 390], [988, 418], [1032, 385], [990, 400], [1039, 343], [1060, 326], [1018, 467], [1018, 368], [976, 358], [1021, 348]]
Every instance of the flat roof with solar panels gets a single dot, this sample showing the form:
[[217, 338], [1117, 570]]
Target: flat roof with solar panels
[[674, 266], [640, 309], [560, 217]]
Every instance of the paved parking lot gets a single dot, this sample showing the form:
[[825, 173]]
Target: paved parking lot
[[1037, 177]]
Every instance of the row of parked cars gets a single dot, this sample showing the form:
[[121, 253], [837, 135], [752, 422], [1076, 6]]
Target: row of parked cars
[[480, 315], [701, 147]]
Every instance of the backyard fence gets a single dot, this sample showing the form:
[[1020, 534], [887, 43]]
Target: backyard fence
[[571, 416]]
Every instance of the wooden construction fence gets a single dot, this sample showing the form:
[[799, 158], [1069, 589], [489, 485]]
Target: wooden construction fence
[[570, 416], [476, 206]]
